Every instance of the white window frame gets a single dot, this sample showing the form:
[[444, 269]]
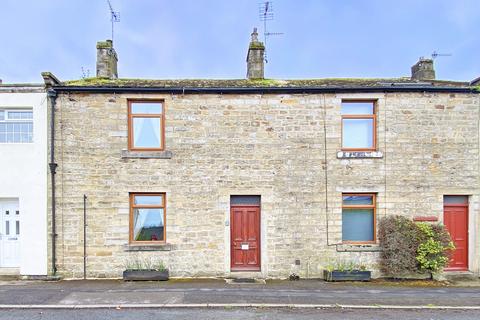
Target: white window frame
[[6, 118]]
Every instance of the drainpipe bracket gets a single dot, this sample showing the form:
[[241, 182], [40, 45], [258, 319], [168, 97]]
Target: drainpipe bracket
[[53, 167]]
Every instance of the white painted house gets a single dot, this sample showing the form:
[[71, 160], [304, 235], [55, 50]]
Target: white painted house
[[23, 179]]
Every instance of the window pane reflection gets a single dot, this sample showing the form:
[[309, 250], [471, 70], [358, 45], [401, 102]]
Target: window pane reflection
[[147, 108], [148, 224], [357, 133], [357, 225], [358, 108], [146, 132]]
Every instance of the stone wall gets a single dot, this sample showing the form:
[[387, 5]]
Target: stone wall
[[282, 147]]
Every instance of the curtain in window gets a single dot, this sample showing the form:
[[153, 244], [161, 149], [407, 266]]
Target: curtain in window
[[146, 132]]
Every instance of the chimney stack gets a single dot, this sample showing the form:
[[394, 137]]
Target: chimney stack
[[423, 70], [106, 60], [255, 57]]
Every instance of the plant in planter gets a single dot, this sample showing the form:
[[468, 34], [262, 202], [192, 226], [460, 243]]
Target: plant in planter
[[145, 269], [346, 271]]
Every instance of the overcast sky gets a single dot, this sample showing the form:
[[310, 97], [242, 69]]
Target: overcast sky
[[209, 38]]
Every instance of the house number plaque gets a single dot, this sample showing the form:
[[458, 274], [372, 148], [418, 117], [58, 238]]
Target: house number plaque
[[244, 246]]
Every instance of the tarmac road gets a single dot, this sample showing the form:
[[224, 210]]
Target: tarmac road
[[206, 292]]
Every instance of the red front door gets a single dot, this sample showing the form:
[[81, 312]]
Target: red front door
[[456, 220], [245, 238]]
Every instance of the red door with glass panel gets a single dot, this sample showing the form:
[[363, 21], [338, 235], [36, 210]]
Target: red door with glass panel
[[245, 238], [456, 220]]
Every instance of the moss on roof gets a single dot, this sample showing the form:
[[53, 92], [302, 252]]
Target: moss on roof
[[104, 44], [256, 45], [256, 83]]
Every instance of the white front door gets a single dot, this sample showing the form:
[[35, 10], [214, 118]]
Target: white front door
[[9, 234]]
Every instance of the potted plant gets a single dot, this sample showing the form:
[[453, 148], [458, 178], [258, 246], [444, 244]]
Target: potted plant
[[346, 271], [146, 269]]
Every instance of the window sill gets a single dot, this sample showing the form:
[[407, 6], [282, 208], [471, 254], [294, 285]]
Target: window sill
[[127, 154], [16, 143], [148, 247], [350, 247], [359, 154]]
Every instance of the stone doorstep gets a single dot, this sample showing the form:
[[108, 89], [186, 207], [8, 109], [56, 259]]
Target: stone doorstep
[[459, 276], [245, 277], [245, 274], [9, 277], [9, 272]]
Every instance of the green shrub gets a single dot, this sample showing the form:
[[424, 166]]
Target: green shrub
[[433, 251], [399, 239], [410, 247]]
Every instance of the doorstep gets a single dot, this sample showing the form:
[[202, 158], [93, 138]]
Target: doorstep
[[459, 275], [245, 275], [9, 273]]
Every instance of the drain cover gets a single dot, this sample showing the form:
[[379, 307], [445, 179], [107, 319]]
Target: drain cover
[[243, 280]]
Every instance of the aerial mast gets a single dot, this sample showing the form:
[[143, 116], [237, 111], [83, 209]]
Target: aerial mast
[[435, 55], [114, 16], [265, 11]]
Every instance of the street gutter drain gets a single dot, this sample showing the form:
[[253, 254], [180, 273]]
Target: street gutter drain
[[245, 281]]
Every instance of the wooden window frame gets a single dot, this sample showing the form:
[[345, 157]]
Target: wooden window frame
[[372, 116], [363, 206], [133, 206], [131, 116]]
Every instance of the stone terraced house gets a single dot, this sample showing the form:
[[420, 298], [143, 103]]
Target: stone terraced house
[[255, 177]]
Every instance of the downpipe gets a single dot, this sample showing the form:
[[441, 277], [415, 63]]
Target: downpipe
[[52, 95]]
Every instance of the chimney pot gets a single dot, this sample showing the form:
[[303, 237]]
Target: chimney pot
[[255, 57], [106, 60], [423, 70]]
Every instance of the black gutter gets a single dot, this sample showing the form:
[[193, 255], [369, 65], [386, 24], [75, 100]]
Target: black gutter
[[52, 95], [253, 90]]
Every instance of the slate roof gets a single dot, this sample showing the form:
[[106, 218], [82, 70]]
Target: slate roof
[[260, 83]]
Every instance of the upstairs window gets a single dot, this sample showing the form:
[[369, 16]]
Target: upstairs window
[[146, 126], [358, 126], [16, 126], [358, 218]]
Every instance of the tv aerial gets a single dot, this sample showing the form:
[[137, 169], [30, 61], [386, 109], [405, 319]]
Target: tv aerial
[[114, 16], [435, 55], [265, 10]]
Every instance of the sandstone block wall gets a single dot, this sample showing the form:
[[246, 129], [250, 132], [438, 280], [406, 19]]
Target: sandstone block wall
[[282, 147]]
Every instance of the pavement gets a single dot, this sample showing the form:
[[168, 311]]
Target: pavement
[[216, 293], [236, 314]]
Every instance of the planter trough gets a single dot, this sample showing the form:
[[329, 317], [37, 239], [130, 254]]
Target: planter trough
[[352, 275], [145, 275]]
